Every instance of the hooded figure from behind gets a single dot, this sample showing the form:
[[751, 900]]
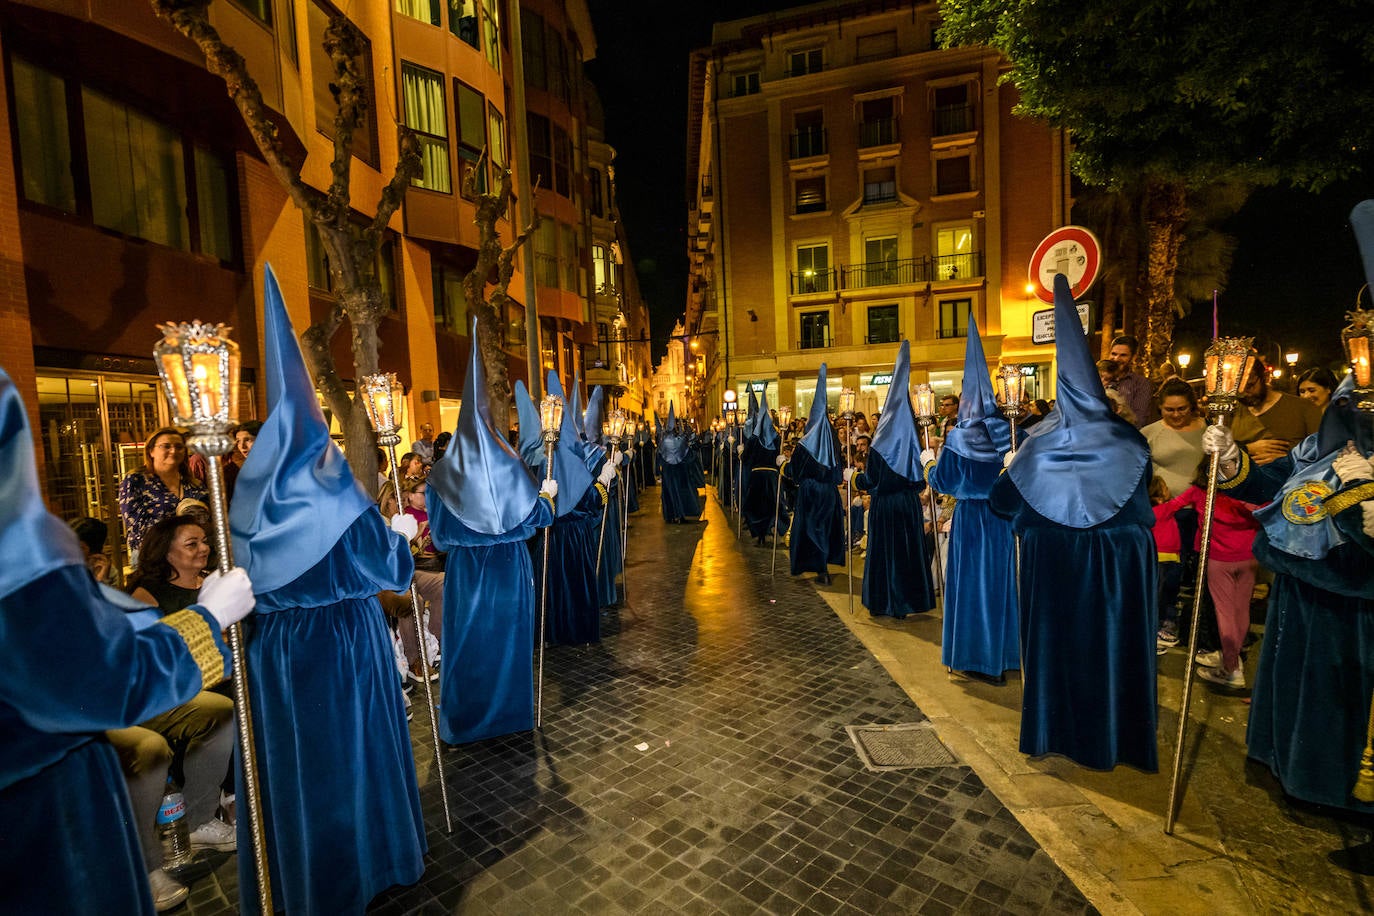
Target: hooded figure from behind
[[1076, 494], [760, 467], [1314, 686], [981, 625], [63, 800], [328, 713], [817, 534], [678, 495], [484, 506], [897, 576]]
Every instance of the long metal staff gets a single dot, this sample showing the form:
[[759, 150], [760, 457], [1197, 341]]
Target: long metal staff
[[849, 512], [934, 523], [550, 437], [390, 440], [1213, 464], [777, 507], [624, 481], [243, 710], [605, 509], [739, 516]]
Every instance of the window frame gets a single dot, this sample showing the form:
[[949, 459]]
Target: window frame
[[960, 308], [894, 316], [434, 141]]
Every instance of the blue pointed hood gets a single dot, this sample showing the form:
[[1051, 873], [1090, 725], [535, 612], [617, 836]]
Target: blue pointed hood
[[763, 424], [819, 439], [671, 425], [1081, 463], [569, 466], [982, 433], [295, 495], [574, 409], [593, 449], [896, 439], [672, 444], [481, 479], [33, 541], [531, 440], [751, 418]]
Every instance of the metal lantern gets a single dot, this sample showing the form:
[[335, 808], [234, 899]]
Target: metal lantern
[[1011, 390], [923, 401], [1356, 337], [784, 416], [1226, 364], [384, 400], [550, 416], [616, 427], [199, 366], [1183, 360], [606, 430], [847, 403]]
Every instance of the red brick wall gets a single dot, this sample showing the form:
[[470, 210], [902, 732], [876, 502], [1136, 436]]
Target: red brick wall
[[16, 338], [749, 270]]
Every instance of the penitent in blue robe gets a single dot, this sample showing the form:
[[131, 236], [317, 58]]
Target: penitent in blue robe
[[487, 677], [980, 619], [817, 539], [678, 495], [573, 617], [1309, 712], [66, 829], [607, 593], [896, 567], [1087, 633], [341, 805], [760, 494]]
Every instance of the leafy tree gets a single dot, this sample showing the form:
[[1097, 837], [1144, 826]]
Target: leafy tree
[[352, 250], [1166, 98]]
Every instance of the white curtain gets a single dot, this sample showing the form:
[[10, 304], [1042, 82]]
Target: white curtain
[[427, 113]]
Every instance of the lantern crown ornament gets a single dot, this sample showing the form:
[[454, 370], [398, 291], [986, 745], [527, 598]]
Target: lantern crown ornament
[[1226, 365], [1011, 390], [384, 401], [199, 366]]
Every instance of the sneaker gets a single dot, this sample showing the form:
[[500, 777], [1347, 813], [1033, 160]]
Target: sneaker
[[1209, 659], [1167, 635], [168, 892], [419, 678], [214, 834], [1234, 680]]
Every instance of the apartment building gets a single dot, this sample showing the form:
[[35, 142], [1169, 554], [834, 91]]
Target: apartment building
[[131, 194], [850, 186]]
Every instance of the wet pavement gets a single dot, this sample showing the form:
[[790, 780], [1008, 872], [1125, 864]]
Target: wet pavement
[[696, 761]]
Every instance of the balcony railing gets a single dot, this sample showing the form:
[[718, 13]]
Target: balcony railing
[[805, 282], [809, 141], [877, 132], [951, 119], [907, 271]]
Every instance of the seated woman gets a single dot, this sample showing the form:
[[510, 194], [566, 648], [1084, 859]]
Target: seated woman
[[171, 569]]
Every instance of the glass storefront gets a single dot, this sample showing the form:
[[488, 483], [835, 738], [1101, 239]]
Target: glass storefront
[[93, 426]]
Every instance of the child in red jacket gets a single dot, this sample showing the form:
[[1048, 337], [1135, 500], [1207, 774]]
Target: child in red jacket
[[1231, 569], [1168, 544]]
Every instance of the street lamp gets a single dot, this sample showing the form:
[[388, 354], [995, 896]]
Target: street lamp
[[1184, 360], [1291, 358]]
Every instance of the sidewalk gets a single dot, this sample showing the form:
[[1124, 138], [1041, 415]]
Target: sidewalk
[[1238, 847]]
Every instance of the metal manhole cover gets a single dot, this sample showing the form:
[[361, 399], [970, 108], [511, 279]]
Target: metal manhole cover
[[899, 747]]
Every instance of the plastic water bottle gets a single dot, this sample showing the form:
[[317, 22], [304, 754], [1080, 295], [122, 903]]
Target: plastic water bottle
[[172, 830]]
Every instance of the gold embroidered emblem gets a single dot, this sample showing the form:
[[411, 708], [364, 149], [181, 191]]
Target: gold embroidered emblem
[[1304, 505]]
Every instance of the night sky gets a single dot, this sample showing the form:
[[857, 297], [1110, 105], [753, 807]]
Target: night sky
[[1296, 270]]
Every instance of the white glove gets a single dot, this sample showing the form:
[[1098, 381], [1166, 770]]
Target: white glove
[[730, 440], [549, 488], [227, 596], [1367, 507], [858, 502], [1217, 440], [607, 475], [407, 526], [629, 453], [739, 449], [1008, 458], [848, 474], [624, 459], [927, 456], [1351, 466], [781, 460]]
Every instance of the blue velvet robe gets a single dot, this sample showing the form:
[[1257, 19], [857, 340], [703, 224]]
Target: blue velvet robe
[[607, 592], [818, 522], [1087, 633], [1309, 711], [981, 623], [897, 578], [487, 676], [573, 617], [761, 490], [678, 495], [67, 832], [341, 805]]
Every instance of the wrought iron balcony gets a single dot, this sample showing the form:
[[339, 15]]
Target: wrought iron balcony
[[806, 282], [951, 119], [877, 132], [807, 142]]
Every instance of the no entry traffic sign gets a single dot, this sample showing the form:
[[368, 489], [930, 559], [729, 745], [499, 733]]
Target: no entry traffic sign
[[1070, 250]]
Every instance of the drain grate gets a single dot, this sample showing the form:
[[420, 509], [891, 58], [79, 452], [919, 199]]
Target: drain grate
[[899, 747]]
